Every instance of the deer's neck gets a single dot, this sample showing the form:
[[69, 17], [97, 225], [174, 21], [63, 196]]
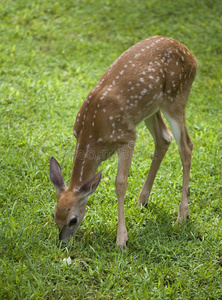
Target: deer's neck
[[84, 166]]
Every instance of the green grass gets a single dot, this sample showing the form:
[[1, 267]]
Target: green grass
[[52, 53]]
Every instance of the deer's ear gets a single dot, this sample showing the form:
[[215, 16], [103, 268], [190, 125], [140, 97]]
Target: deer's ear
[[56, 175], [90, 185]]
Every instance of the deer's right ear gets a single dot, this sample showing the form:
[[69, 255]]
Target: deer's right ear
[[56, 175], [90, 185]]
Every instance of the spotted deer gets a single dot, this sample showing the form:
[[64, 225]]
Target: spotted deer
[[152, 76]]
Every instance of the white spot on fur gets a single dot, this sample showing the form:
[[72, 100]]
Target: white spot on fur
[[143, 92], [150, 69]]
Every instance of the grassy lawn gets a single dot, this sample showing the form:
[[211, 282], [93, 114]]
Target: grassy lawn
[[52, 53]]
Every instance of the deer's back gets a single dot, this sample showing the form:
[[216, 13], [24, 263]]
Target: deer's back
[[134, 87]]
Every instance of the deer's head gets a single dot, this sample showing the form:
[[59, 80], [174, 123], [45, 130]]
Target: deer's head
[[71, 203]]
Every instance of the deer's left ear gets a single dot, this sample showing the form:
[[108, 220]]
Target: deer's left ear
[[89, 186], [56, 176]]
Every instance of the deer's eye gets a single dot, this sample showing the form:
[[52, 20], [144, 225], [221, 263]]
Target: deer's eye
[[73, 221]]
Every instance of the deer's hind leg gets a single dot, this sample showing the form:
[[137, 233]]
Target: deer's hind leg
[[162, 138], [185, 145]]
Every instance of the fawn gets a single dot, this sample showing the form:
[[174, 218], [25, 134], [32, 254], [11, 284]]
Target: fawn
[[152, 76]]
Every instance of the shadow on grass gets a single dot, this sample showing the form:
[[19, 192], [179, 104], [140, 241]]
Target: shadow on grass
[[150, 229]]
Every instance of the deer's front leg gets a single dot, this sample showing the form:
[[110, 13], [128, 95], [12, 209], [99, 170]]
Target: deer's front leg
[[125, 157]]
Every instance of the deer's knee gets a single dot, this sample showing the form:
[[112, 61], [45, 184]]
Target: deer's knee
[[121, 185]]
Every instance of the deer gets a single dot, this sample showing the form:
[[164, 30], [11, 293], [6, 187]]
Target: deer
[[152, 78]]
